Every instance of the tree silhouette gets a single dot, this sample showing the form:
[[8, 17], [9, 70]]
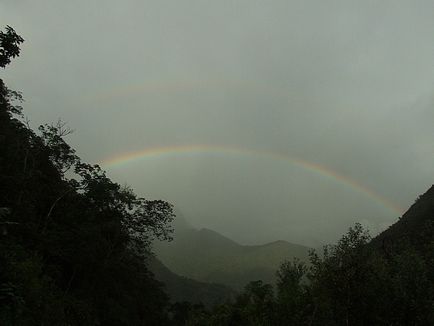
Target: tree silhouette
[[73, 246], [9, 46]]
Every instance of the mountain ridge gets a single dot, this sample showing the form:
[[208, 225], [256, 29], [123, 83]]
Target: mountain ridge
[[208, 256], [414, 228]]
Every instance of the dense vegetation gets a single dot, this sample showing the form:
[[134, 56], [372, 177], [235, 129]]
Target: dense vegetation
[[354, 282], [73, 243], [74, 249]]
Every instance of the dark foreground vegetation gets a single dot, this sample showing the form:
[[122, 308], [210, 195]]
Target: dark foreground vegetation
[[358, 281], [74, 248], [73, 244]]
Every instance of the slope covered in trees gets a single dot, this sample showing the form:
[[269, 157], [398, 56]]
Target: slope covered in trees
[[358, 281], [72, 249], [183, 289], [414, 229]]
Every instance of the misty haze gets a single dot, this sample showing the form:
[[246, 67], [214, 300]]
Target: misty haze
[[186, 162]]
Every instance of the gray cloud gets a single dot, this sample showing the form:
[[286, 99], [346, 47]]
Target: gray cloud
[[345, 84]]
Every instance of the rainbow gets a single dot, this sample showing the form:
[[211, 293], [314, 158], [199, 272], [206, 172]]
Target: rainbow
[[316, 168], [182, 86]]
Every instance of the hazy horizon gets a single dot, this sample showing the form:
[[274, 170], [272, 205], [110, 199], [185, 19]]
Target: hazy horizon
[[281, 120]]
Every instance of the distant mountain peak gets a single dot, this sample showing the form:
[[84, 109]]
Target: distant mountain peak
[[180, 223], [209, 256]]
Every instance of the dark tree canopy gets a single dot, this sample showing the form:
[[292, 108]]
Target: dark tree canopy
[[9, 46]]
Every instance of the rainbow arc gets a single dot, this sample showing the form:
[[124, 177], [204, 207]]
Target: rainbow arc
[[159, 152]]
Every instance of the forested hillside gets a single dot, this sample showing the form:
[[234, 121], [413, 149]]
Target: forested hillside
[[388, 280], [414, 229], [183, 289], [72, 243]]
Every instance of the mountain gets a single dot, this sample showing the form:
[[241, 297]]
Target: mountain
[[180, 223], [207, 256], [181, 289], [414, 229]]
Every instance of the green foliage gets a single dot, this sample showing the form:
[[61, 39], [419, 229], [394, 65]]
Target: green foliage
[[289, 279], [253, 306], [350, 283], [340, 276], [292, 293]]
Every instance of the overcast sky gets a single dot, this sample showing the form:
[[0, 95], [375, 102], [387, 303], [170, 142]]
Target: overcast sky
[[344, 84]]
